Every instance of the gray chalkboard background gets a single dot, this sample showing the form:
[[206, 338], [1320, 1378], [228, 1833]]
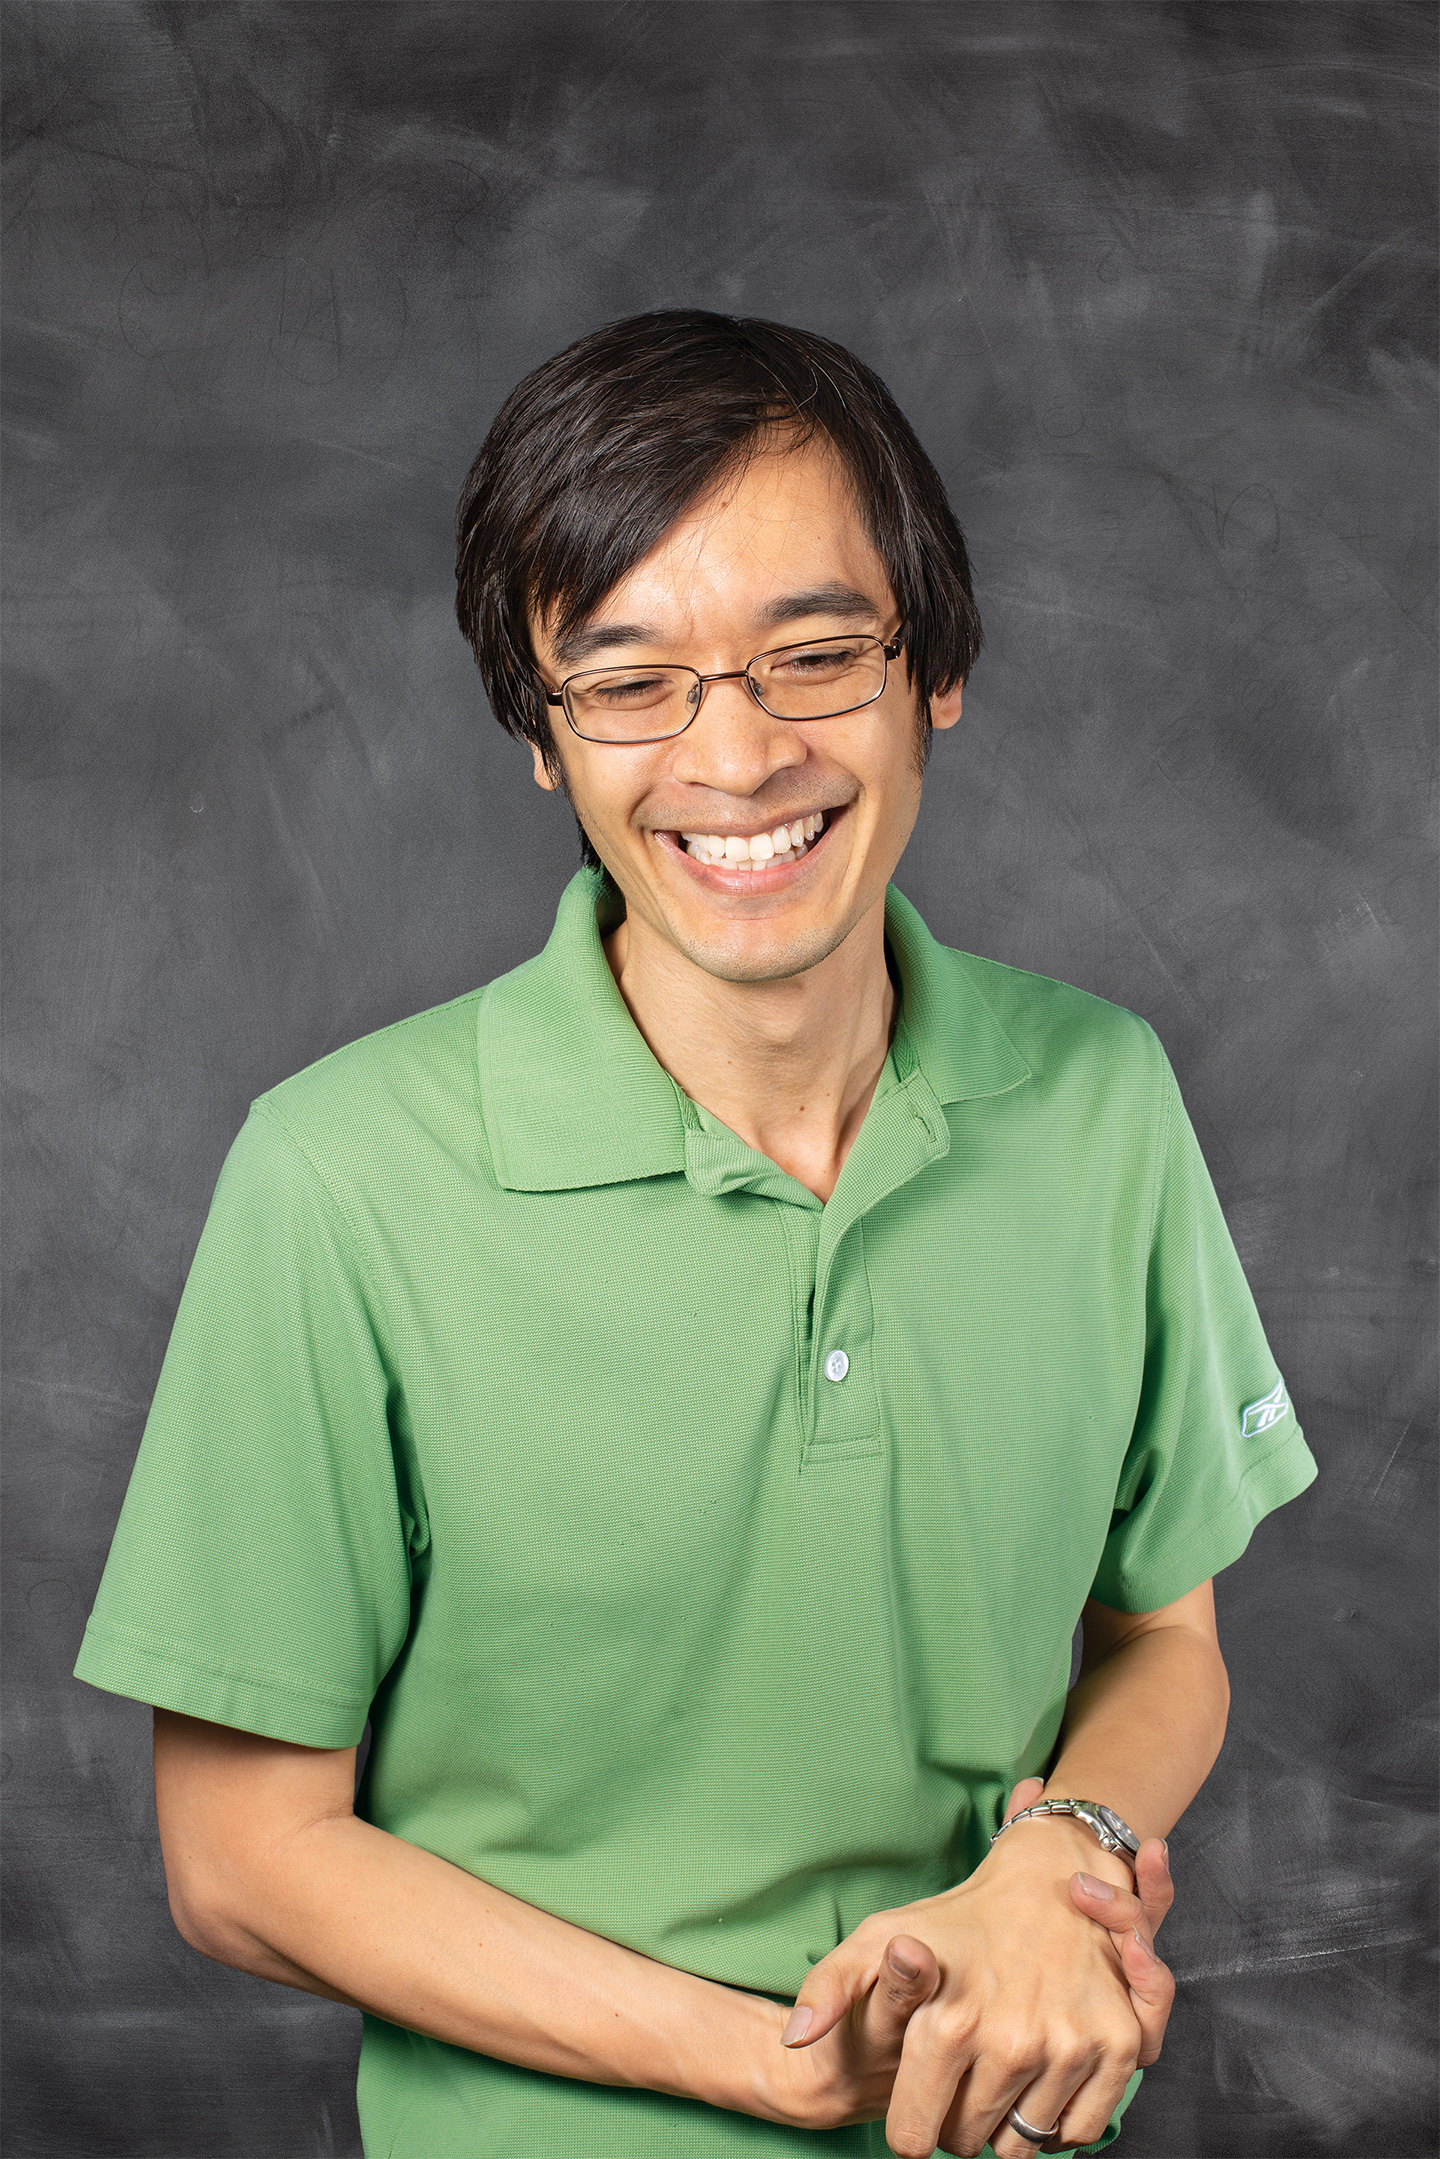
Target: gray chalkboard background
[[1155, 283]]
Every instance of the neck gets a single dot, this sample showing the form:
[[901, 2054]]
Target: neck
[[789, 1066]]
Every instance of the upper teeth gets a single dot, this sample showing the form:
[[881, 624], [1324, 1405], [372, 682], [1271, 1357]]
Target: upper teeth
[[760, 847]]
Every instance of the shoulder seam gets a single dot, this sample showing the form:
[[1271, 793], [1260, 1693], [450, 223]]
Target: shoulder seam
[[265, 1108], [1164, 1115]]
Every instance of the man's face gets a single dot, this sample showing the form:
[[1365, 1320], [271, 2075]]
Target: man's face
[[772, 557]]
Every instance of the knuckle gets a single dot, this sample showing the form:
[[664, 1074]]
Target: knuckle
[[954, 2029], [909, 2143], [1012, 2052]]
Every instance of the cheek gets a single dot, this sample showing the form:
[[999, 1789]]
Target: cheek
[[606, 796], [893, 782]]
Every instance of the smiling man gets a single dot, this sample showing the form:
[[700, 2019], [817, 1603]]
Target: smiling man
[[686, 1394]]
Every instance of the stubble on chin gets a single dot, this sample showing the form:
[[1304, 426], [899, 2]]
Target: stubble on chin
[[781, 961]]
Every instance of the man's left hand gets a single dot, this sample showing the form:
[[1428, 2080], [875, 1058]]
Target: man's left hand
[[1050, 1992]]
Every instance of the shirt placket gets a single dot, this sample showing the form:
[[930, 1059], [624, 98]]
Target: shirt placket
[[834, 1313], [904, 1131], [843, 1421]]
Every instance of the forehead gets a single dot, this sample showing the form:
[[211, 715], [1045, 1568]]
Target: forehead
[[783, 522]]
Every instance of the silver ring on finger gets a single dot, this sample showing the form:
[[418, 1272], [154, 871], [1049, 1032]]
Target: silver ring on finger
[[1025, 2129]]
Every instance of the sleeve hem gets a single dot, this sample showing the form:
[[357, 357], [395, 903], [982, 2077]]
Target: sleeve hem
[[1218, 1542], [127, 1664]]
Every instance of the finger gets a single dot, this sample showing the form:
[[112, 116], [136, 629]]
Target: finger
[[1086, 2115], [1152, 1992], [1007, 2143], [909, 1974], [840, 1981], [1025, 1794], [981, 2110], [1153, 1885], [1115, 1908], [936, 2057]]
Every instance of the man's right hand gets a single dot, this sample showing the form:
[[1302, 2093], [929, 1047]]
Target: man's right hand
[[847, 2076]]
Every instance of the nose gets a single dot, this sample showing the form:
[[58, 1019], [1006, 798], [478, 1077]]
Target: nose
[[733, 744]]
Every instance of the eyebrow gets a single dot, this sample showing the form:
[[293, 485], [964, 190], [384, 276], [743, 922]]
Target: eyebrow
[[842, 602]]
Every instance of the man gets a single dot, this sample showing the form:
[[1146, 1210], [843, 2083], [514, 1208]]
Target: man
[[686, 1393]]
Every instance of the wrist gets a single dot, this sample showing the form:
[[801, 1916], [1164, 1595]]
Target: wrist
[[735, 2059], [1055, 1845]]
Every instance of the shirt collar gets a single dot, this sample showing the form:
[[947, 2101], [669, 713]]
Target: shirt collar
[[571, 1095]]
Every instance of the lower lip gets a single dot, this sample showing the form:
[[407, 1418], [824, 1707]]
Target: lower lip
[[724, 877]]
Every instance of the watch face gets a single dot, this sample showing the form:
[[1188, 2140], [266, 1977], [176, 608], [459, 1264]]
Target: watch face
[[1118, 1829]]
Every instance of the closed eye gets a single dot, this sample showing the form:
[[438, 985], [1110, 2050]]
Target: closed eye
[[634, 689], [822, 660]]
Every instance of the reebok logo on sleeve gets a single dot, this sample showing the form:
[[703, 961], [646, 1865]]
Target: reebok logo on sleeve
[[1259, 1416]]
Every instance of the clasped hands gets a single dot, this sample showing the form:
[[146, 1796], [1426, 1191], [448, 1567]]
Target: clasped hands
[[1033, 1984]]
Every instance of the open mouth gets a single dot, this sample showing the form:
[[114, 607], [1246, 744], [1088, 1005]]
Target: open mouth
[[762, 850]]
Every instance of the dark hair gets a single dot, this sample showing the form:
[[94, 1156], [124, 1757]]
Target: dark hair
[[599, 450]]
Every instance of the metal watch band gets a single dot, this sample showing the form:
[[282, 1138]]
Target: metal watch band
[[1112, 1834]]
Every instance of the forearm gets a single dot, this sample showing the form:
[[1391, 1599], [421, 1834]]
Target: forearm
[[1143, 1727], [346, 1910]]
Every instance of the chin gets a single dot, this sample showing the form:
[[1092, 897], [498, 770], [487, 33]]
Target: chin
[[765, 959]]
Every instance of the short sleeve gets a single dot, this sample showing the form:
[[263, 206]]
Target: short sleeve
[[260, 1572], [1216, 1445]]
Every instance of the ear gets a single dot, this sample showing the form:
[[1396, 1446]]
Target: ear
[[544, 777], [945, 706]]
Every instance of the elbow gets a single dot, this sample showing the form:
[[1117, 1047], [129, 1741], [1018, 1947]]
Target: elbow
[[206, 1921], [202, 1927], [1222, 1681], [1220, 1697]]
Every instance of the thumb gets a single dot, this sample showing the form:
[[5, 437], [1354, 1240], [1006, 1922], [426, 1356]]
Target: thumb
[[1026, 1793], [831, 1989], [909, 1974]]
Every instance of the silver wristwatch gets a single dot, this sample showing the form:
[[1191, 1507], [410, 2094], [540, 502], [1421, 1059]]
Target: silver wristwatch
[[1114, 1835]]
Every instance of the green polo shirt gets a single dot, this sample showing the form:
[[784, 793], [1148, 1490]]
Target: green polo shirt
[[705, 1559]]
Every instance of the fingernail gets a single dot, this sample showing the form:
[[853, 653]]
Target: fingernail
[[1145, 1949], [1166, 1850], [902, 1964], [800, 2023], [1094, 1888]]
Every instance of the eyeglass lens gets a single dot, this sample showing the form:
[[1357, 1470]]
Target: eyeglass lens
[[801, 682]]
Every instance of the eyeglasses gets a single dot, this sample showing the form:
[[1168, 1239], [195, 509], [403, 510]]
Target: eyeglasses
[[815, 681]]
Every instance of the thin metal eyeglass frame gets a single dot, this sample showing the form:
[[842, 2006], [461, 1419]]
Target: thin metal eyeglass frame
[[735, 674]]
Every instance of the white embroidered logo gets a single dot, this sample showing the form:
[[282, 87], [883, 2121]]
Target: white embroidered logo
[[1259, 1416]]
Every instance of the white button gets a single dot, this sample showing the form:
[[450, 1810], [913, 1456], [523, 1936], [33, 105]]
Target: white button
[[837, 1364]]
